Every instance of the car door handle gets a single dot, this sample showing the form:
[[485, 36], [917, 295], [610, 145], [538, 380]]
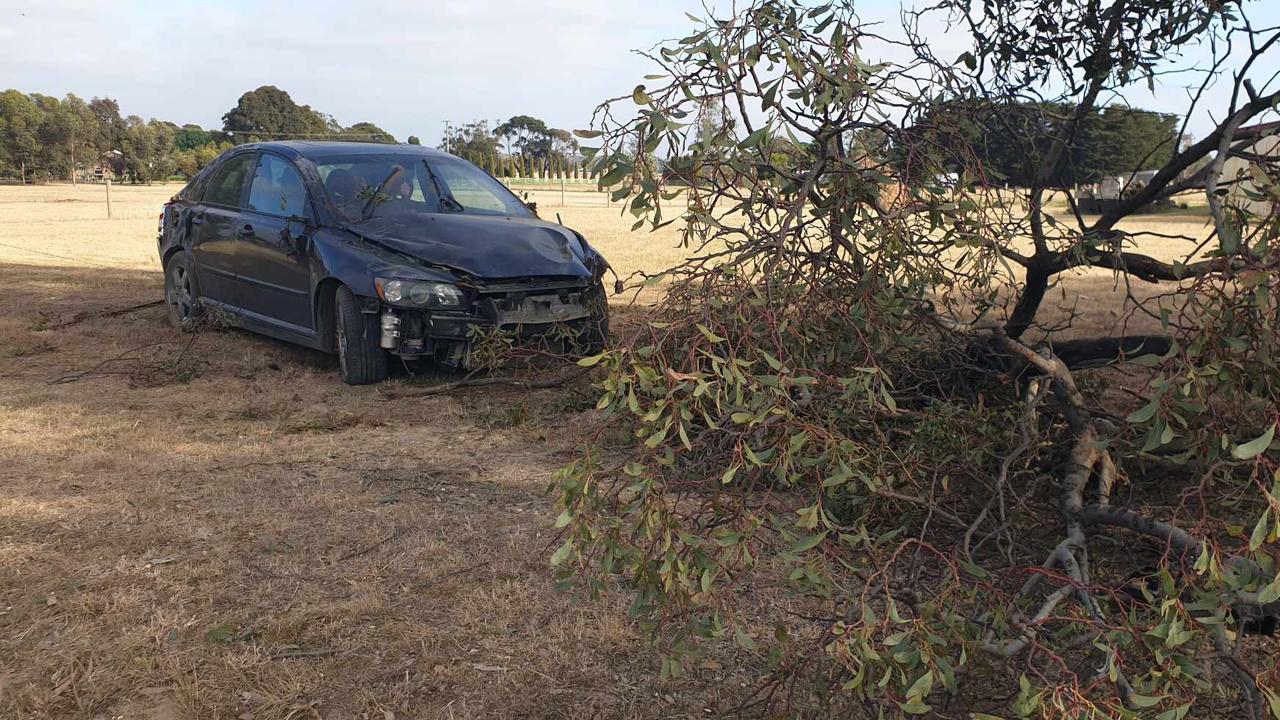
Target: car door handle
[[197, 219], [246, 231]]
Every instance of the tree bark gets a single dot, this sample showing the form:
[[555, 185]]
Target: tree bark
[[1024, 312]]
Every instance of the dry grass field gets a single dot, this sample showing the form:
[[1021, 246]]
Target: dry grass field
[[218, 528]]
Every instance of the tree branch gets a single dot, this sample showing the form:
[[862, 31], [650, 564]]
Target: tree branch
[[1097, 352]]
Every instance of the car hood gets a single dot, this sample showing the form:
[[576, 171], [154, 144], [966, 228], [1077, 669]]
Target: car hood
[[483, 246]]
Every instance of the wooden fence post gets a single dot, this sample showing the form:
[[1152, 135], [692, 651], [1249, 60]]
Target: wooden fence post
[[108, 198]]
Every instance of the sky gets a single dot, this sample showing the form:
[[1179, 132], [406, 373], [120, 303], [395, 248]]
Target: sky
[[405, 65]]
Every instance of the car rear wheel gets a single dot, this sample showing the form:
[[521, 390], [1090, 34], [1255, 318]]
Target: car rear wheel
[[181, 294], [361, 359]]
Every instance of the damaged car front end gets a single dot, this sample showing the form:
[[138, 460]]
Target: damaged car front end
[[444, 294], [373, 251], [442, 321]]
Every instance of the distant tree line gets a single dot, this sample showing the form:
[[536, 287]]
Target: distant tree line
[[45, 138], [1005, 140], [522, 147], [42, 137], [1008, 139]]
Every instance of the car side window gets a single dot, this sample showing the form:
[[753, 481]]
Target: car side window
[[277, 188], [227, 182]]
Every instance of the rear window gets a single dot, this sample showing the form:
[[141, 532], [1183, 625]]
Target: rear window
[[194, 189], [226, 185]]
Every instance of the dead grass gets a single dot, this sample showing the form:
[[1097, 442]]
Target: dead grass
[[261, 541], [223, 529]]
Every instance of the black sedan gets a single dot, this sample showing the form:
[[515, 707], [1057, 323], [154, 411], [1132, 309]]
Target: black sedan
[[374, 250]]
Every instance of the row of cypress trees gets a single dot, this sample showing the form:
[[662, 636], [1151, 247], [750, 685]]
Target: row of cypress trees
[[526, 166]]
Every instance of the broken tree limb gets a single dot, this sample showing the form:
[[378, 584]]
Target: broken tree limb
[[471, 382], [79, 318], [1098, 352], [370, 548]]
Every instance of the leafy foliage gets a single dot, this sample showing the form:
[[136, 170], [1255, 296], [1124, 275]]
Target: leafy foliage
[[1112, 141], [368, 132], [267, 113], [847, 401]]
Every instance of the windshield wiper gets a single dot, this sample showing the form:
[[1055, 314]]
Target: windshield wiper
[[446, 198], [373, 201]]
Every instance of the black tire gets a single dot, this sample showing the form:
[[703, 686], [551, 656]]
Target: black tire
[[182, 293], [596, 331], [361, 360]]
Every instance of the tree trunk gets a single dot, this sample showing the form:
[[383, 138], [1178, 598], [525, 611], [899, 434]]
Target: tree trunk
[[1033, 291], [22, 168]]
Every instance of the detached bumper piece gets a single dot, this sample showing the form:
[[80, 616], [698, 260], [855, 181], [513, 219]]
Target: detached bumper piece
[[530, 314]]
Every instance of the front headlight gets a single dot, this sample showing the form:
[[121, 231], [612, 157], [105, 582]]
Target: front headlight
[[415, 293]]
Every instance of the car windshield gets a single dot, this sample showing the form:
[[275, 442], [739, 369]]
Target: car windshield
[[389, 184]]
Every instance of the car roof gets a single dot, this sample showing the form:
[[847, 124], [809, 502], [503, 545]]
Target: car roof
[[319, 149]]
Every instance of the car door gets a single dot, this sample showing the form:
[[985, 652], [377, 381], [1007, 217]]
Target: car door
[[214, 223], [272, 259]]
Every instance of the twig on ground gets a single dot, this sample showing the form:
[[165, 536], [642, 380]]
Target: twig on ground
[[290, 651], [469, 381], [370, 548], [81, 317], [126, 356]]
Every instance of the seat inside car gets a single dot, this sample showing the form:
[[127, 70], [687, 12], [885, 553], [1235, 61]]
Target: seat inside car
[[342, 185]]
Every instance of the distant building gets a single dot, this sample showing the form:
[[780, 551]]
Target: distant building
[[1237, 170], [1105, 194], [1142, 176], [107, 167]]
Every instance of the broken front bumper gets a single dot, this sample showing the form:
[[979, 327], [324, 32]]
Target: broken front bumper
[[520, 312]]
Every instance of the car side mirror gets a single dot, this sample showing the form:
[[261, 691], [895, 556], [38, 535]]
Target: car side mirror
[[302, 224], [295, 233], [533, 206]]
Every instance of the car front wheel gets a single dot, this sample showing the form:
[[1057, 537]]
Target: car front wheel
[[361, 360]]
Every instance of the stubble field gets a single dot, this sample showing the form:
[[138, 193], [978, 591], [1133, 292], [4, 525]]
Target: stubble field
[[214, 526]]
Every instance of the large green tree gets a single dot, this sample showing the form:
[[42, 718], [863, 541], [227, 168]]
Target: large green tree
[[148, 149], [268, 113], [532, 138], [368, 132], [71, 134], [1009, 139], [191, 136], [109, 125], [20, 120], [1117, 140], [521, 134], [473, 141]]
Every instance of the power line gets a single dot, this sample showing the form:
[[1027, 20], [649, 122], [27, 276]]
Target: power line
[[257, 133]]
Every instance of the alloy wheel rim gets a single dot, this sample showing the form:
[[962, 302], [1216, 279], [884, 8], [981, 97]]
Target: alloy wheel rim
[[342, 342], [180, 295]]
